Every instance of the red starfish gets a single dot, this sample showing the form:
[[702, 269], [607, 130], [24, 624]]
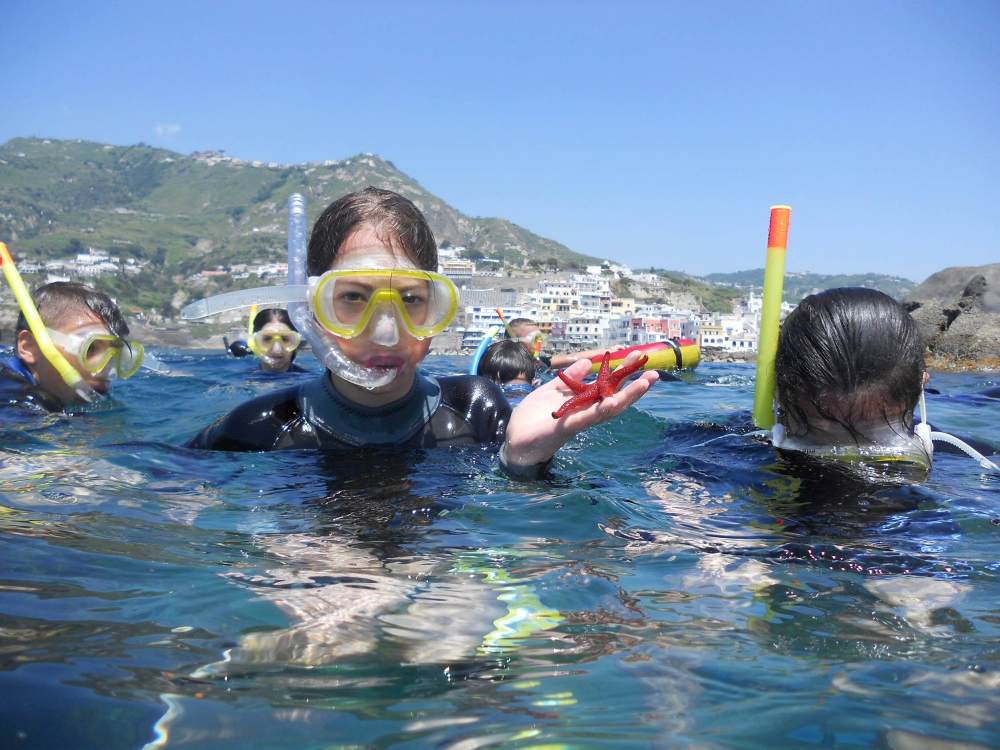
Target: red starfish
[[606, 384]]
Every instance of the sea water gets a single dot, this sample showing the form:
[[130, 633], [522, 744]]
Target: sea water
[[674, 583]]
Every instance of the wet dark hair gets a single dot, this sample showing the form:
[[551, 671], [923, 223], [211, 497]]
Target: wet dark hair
[[58, 301], [505, 360], [272, 315], [395, 219], [851, 356]]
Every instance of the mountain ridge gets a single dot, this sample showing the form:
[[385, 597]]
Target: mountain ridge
[[54, 191], [183, 214]]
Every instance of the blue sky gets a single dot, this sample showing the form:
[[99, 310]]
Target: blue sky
[[655, 134]]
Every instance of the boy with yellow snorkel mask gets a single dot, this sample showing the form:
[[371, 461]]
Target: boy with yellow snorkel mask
[[70, 340], [372, 303]]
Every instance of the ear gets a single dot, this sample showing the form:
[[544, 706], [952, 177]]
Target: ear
[[27, 348]]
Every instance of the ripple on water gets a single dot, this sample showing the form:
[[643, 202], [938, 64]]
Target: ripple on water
[[672, 572]]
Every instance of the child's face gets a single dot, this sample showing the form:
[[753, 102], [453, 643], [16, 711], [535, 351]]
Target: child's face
[[81, 323], [275, 356], [364, 249]]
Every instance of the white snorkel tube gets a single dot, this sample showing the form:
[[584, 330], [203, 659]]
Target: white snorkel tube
[[928, 438]]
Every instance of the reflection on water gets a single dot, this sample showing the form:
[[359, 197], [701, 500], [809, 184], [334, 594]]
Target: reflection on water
[[676, 584]]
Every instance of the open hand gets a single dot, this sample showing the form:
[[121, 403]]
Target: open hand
[[533, 436]]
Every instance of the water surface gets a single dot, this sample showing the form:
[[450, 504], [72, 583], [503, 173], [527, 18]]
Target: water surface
[[674, 584]]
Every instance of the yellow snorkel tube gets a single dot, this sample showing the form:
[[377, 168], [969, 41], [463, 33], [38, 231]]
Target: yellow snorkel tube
[[770, 317], [251, 343], [66, 371]]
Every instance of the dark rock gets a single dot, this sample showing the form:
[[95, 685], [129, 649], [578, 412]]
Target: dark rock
[[948, 285], [958, 311]]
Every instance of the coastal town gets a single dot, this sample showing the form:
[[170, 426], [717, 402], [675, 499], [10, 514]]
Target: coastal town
[[606, 305], [584, 310]]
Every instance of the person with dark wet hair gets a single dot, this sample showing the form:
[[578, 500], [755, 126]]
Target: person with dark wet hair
[[374, 302], [507, 362], [849, 360], [849, 372], [275, 341], [87, 329], [273, 338]]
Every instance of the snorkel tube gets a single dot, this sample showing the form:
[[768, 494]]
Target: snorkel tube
[[66, 371], [488, 338], [324, 349], [251, 343], [770, 317]]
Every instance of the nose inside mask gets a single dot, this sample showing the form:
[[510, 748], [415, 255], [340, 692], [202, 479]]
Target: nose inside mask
[[385, 330]]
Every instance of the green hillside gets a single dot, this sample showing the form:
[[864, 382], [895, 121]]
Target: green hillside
[[799, 285], [183, 214]]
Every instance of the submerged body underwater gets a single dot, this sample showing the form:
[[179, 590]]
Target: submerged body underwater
[[674, 583]]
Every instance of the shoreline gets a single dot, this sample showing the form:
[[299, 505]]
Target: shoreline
[[180, 339]]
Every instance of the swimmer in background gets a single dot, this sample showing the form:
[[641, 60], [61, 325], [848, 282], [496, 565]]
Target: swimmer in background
[[275, 341], [87, 329], [510, 365], [377, 299], [527, 332], [849, 373]]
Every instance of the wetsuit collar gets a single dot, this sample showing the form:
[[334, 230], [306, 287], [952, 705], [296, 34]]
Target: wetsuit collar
[[14, 364], [392, 424]]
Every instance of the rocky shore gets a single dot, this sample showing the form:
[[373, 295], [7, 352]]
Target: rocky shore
[[958, 311]]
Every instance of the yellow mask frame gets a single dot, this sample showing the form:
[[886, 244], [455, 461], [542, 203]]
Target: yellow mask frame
[[78, 344], [318, 286]]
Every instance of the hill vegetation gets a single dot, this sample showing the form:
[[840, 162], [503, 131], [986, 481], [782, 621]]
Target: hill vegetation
[[178, 216], [799, 285], [183, 214]]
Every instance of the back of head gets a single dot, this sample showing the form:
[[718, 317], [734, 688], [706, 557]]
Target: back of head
[[57, 303], [523, 329], [395, 219], [505, 361], [272, 315], [852, 356]]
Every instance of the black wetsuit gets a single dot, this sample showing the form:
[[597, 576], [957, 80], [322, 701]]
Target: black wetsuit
[[454, 410], [17, 386]]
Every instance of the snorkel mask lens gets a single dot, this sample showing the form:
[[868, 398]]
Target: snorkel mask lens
[[288, 341], [96, 351], [130, 357], [344, 301]]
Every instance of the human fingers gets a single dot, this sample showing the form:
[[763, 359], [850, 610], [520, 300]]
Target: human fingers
[[609, 407], [623, 399], [576, 371]]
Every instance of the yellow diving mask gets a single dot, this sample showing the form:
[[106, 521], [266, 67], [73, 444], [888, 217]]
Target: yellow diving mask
[[344, 300], [96, 350], [288, 340]]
